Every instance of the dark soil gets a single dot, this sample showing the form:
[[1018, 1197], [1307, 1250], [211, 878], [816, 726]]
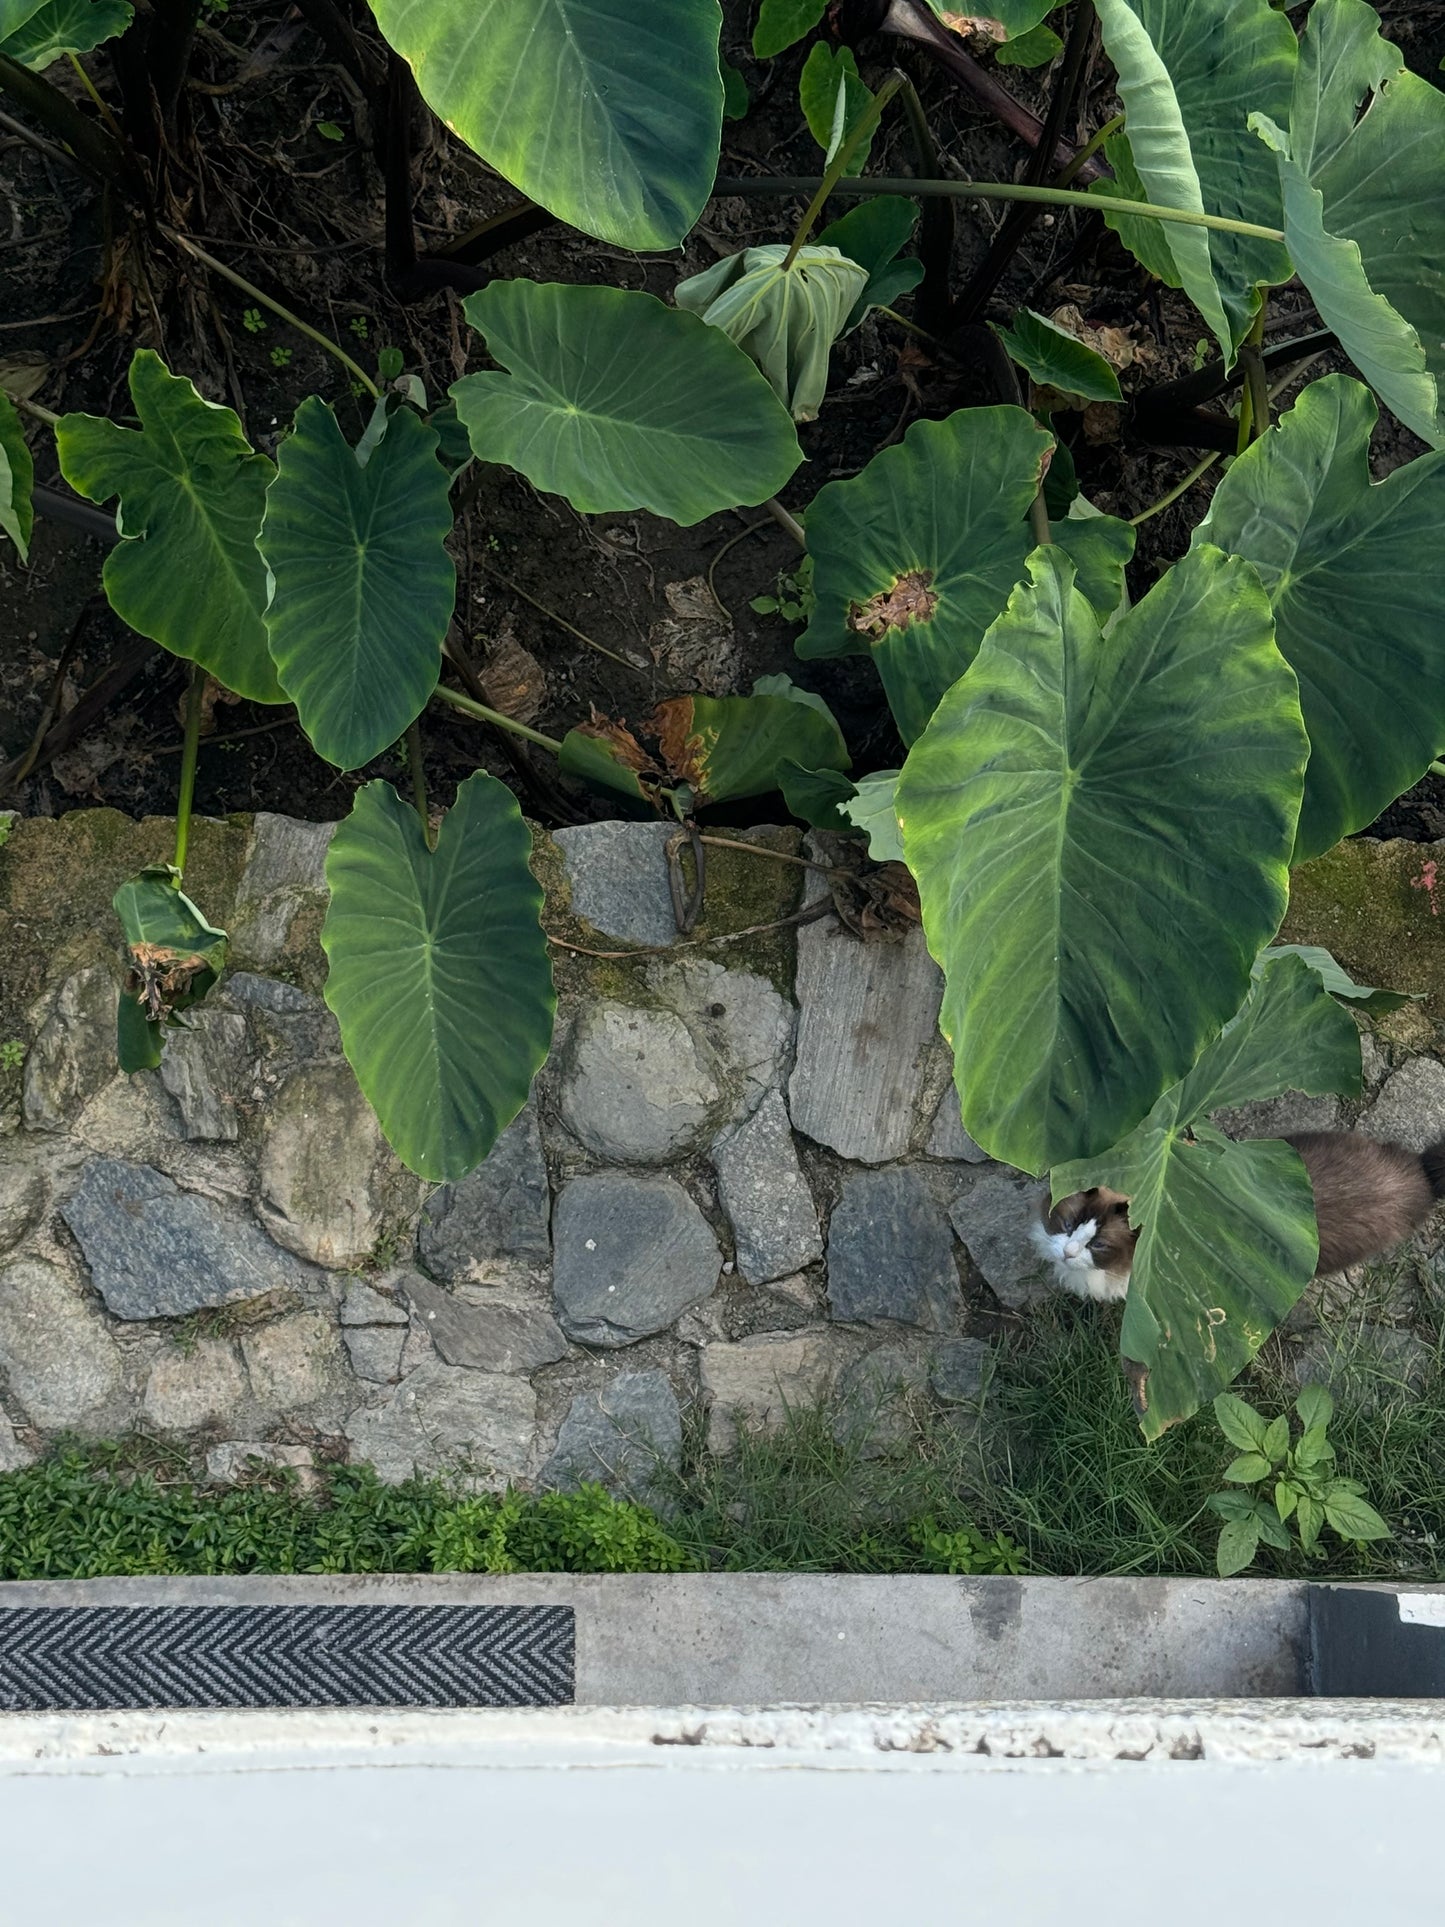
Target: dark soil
[[301, 216]]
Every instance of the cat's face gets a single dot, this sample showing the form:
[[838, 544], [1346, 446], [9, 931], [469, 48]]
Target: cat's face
[[1089, 1231]]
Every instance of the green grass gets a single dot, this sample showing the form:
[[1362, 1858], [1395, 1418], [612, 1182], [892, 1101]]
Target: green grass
[[1061, 1483]]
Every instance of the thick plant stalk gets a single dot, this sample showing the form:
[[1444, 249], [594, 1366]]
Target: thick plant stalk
[[936, 231], [92, 148], [847, 148], [190, 751], [485, 715]]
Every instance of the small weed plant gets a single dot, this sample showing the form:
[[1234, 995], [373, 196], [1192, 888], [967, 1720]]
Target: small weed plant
[[1279, 1480]]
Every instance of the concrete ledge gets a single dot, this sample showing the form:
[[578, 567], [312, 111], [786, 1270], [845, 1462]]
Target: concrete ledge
[[746, 1639]]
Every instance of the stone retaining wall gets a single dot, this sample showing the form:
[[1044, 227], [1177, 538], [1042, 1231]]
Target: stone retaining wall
[[741, 1179]]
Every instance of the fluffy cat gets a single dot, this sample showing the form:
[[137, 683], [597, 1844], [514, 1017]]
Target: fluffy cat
[[1368, 1197]]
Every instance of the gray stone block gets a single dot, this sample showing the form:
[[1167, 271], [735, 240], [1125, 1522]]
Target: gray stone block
[[297, 1365], [992, 1219], [759, 1379], [73, 1055], [444, 1417], [766, 1196], [375, 1351], [617, 875], [635, 1085], [365, 1305], [867, 1019], [490, 1336], [947, 1138], [625, 1436], [331, 1187], [959, 1370], [890, 1253], [632, 1254], [24, 1193], [237, 1458], [203, 1384], [156, 1251], [203, 1068], [1410, 1109], [60, 1362], [500, 1210]]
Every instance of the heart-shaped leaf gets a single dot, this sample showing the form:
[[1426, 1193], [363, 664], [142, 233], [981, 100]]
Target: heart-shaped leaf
[[914, 558], [730, 746], [782, 22], [816, 795], [14, 14], [439, 971], [175, 957], [1051, 815], [17, 477], [1333, 550], [618, 402], [187, 572], [363, 587], [607, 112], [63, 27], [1189, 73], [784, 319], [1227, 1237], [1053, 358], [872, 233], [824, 72], [1363, 214]]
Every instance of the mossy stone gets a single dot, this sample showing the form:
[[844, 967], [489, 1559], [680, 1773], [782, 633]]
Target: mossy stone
[[1379, 907]]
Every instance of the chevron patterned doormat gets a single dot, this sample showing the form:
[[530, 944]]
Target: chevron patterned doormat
[[92, 1657]]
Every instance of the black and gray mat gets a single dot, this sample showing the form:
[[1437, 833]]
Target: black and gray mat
[[91, 1657]]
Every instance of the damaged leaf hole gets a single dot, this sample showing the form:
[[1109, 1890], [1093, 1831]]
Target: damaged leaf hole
[[911, 599]]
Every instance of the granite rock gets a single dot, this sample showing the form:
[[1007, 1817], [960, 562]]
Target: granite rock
[[632, 1254], [1410, 1109], [617, 876], [375, 1351], [331, 1188], [237, 1459], [499, 1211], [890, 1252], [489, 1335], [73, 1055], [14, 1456], [992, 1218], [626, 1436], [204, 1384], [24, 1194], [61, 1364], [1280, 1116], [443, 1417], [636, 1087], [203, 1069], [1378, 1364], [758, 1379], [959, 1370], [766, 1196], [363, 1304], [156, 1251], [947, 1137], [285, 869], [297, 1365]]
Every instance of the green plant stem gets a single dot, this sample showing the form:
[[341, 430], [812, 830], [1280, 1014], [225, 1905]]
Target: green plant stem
[[787, 520], [418, 778], [847, 147], [1437, 769], [1039, 517], [195, 690], [34, 408], [1089, 149], [332, 348], [484, 715], [1256, 382], [912, 326], [89, 85], [1179, 488], [742, 184], [936, 231]]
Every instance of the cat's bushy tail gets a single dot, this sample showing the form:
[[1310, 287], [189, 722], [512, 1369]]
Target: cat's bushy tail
[[1432, 1162]]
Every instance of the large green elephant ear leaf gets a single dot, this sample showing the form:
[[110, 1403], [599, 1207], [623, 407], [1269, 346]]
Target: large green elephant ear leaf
[[1189, 72], [913, 558], [1051, 814], [608, 113], [1364, 216], [439, 973], [187, 572], [1335, 552], [726, 747], [17, 478], [1227, 1237], [362, 585], [619, 402], [61, 27]]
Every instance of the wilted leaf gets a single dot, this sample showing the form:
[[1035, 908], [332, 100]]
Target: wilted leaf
[[17, 476], [731, 746]]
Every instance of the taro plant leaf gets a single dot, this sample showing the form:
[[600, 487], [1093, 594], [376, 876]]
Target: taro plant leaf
[[362, 586], [1227, 1237], [175, 956], [872, 234], [1053, 358], [816, 795], [1363, 215], [1058, 750], [1337, 980], [1189, 72], [914, 558], [785, 320], [439, 972], [1008, 17], [735, 92], [1146, 240], [824, 72], [873, 812], [1032, 49], [187, 572], [782, 22], [608, 756], [1335, 552], [619, 402], [14, 14], [606, 112], [731, 746], [17, 477], [66, 27]]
